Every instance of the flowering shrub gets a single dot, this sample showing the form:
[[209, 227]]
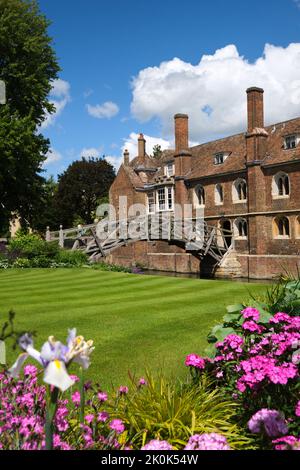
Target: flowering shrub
[[257, 364], [23, 416]]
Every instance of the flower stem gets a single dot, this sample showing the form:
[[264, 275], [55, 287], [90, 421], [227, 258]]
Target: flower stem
[[82, 395], [50, 415]]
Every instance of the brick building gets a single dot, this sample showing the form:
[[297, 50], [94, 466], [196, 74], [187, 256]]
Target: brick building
[[247, 183]]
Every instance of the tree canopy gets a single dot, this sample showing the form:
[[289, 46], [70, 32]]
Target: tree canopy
[[80, 189], [28, 66]]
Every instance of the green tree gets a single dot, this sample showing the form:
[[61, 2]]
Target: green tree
[[28, 66], [80, 188], [157, 151], [45, 212]]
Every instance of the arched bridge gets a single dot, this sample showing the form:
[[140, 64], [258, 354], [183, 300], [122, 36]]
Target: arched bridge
[[101, 239]]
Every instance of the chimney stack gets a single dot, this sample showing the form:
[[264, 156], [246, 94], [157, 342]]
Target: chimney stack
[[141, 146], [255, 102], [126, 157], [181, 132]]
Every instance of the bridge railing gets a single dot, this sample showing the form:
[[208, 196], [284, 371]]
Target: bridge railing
[[159, 226]]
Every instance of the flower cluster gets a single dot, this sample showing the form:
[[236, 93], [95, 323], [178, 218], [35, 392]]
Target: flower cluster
[[211, 441], [258, 366], [23, 414], [156, 444], [269, 421], [195, 361], [287, 443]]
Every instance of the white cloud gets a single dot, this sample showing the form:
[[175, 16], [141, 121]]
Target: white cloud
[[106, 110], [131, 144], [114, 161], [53, 156], [212, 92], [91, 152], [59, 97]]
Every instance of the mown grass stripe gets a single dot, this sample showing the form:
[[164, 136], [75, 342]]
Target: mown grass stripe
[[134, 320]]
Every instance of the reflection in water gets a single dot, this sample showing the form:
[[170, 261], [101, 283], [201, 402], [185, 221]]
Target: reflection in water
[[197, 276]]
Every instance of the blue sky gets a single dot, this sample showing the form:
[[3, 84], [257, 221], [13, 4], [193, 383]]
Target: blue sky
[[119, 76]]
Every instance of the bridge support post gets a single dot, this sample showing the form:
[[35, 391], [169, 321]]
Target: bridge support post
[[61, 237], [48, 234]]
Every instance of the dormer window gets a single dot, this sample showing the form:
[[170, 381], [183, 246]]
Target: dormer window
[[290, 142], [220, 157], [169, 169]]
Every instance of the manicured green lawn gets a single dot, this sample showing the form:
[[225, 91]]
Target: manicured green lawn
[[136, 321]]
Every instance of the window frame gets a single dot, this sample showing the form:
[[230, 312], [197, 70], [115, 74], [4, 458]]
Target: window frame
[[197, 200], [290, 138], [276, 228], [169, 166], [168, 197], [237, 232], [276, 190], [235, 191], [153, 203], [219, 195]]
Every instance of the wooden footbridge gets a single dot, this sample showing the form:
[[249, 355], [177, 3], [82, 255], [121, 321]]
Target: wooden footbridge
[[101, 239]]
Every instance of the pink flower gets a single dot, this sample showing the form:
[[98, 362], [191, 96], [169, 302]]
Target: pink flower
[[287, 443], [252, 313], [252, 326], [297, 410], [117, 425], [211, 441], [156, 444], [76, 398], [102, 396], [123, 390], [30, 370], [89, 418], [142, 381], [280, 317], [103, 416], [195, 361]]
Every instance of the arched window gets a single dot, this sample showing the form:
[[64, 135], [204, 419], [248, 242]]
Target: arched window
[[219, 196], [281, 227], [200, 195], [239, 190], [240, 228], [281, 185]]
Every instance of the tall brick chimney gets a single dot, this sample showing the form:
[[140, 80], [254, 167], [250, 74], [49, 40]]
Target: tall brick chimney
[[126, 157], [181, 132], [141, 146], [255, 101], [256, 135]]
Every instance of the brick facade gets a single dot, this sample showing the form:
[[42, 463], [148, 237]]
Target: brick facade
[[250, 182]]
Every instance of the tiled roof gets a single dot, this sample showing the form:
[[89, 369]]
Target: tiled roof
[[276, 153], [203, 155]]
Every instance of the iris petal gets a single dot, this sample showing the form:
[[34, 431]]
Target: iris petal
[[15, 370], [56, 374]]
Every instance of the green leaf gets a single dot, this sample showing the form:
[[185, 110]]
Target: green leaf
[[235, 308], [210, 351], [231, 317], [221, 332]]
